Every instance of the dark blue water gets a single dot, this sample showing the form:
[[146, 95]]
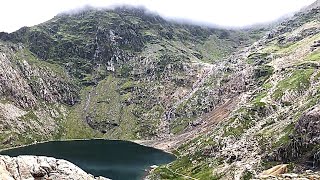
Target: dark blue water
[[118, 160]]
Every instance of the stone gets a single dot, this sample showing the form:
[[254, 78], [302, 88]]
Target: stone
[[291, 175], [35, 167], [154, 166], [4, 174], [276, 170], [24, 169], [309, 171], [314, 177], [309, 124]]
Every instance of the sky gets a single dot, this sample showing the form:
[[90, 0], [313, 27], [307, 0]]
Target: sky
[[15, 14]]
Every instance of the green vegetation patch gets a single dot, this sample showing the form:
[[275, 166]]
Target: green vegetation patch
[[298, 81], [314, 56], [75, 125], [29, 57], [285, 139], [262, 73], [258, 58], [247, 175], [183, 168], [257, 100], [179, 125], [244, 121]]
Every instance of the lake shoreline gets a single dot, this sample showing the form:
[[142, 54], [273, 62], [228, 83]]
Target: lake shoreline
[[42, 142], [98, 153], [144, 143], [140, 142]]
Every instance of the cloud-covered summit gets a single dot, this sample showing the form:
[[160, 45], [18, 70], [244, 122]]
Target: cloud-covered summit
[[232, 13]]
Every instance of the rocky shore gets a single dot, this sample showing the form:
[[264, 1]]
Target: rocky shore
[[41, 167]]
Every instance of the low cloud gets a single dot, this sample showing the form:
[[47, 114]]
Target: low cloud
[[227, 13]]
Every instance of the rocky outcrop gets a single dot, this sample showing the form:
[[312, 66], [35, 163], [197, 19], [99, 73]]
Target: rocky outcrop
[[304, 141], [275, 171], [25, 79], [33, 96], [33, 167], [308, 126], [12, 83], [280, 172]]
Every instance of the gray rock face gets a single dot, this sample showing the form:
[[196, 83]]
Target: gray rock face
[[40, 167], [33, 94], [304, 141], [24, 79], [309, 126]]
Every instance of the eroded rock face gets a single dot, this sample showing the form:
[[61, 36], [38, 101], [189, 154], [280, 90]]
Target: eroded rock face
[[304, 141], [33, 94], [24, 79], [309, 126], [40, 167]]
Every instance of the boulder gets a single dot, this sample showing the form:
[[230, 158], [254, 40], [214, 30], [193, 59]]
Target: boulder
[[35, 167], [275, 171]]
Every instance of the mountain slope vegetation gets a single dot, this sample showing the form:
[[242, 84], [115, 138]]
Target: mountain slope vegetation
[[228, 103], [276, 119], [128, 69]]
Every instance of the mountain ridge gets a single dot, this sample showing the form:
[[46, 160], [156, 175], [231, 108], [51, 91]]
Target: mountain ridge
[[112, 45], [227, 107]]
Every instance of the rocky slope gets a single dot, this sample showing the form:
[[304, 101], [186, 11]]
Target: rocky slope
[[275, 119], [121, 73], [227, 107], [32, 167], [32, 96]]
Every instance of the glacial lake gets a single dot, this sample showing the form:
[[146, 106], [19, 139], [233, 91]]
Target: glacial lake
[[115, 159]]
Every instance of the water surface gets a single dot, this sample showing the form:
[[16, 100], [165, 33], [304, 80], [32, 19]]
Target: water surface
[[118, 160]]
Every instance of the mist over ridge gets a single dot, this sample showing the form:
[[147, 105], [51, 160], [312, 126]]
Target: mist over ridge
[[229, 14]]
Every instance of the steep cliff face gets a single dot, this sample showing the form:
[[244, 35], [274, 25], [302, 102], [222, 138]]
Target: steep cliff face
[[34, 96], [303, 143], [25, 79]]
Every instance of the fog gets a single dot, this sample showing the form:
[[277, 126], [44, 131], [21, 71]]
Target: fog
[[15, 14]]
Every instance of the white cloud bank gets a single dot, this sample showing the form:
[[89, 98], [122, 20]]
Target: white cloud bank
[[233, 13]]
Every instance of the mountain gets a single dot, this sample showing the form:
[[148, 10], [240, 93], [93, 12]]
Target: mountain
[[33, 93], [274, 120], [228, 103], [107, 73]]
